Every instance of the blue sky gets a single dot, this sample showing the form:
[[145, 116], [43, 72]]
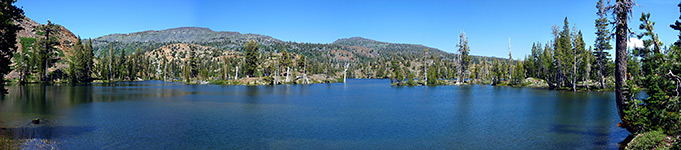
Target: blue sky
[[488, 23]]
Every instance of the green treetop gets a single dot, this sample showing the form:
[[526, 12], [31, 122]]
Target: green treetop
[[251, 66]]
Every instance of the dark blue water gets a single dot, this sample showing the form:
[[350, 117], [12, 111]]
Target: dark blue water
[[361, 114]]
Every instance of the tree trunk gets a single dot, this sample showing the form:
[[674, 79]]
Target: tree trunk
[[425, 75], [47, 49], [559, 75], [287, 74], [574, 77], [23, 75], [574, 70], [600, 75], [345, 72], [305, 80], [621, 66], [425, 69], [588, 74], [459, 70]]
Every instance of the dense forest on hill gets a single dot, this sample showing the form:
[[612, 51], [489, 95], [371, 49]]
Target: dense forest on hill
[[163, 55]]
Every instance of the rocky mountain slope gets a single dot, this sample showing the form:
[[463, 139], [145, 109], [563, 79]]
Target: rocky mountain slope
[[346, 49], [366, 58], [29, 34], [353, 49], [385, 46], [156, 39], [65, 37], [180, 52]]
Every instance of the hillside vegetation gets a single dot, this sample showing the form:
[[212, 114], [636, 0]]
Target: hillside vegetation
[[364, 58]]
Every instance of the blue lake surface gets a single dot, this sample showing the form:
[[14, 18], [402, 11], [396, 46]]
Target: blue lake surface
[[360, 114]]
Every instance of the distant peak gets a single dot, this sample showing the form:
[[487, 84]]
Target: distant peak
[[190, 28], [359, 38], [353, 39], [178, 29]]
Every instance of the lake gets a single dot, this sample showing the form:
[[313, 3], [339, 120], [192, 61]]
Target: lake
[[360, 114]]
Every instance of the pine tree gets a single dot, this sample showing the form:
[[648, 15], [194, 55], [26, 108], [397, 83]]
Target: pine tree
[[8, 14], [497, 72], [510, 60], [251, 64], [464, 59], [303, 63], [89, 59], [45, 49], [622, 10], [395, 67], [193, 63], [102, 67], [648, 27], [587, 66], [558, 63], [131, 65], [548, 66], [660, 110], [111, 62], [410, 79], [567, 55], [285, 63], [432, 75], [23, 59], [225, 68], [399, 75], [578, 53], [186, 72], [164, 67], [78, 63], [531, 65], [518, 73], [121, 65], [602, 43], [425, 66]]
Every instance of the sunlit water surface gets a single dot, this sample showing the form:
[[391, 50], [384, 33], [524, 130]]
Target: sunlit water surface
[[361, 114]]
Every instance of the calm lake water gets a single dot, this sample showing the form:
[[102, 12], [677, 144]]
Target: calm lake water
[[361, 114]]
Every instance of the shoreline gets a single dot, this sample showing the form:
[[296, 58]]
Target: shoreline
[[527, 83], [264, 81]]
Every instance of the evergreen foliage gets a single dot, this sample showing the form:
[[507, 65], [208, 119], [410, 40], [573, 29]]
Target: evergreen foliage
[[661, 110], [562, 63], [8, 31], [45, 49], [24, 60], [79, 64], [602, 43], [251, 64], [464, 59]]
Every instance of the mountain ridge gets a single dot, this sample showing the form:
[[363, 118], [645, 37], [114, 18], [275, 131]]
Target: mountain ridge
[[234, 40], [380, 45]]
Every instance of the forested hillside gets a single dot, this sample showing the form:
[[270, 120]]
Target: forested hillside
[[221, 56], [363, 58], [384, 46]]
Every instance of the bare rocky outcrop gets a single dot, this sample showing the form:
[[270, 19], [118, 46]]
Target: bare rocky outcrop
[[65, 38]]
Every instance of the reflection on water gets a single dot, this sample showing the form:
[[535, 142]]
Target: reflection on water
[[43, 99], [45, 131], [366, 114]]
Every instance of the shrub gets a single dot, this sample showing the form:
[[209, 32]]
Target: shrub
[[268, 80], [647, 140], [676, 145]]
